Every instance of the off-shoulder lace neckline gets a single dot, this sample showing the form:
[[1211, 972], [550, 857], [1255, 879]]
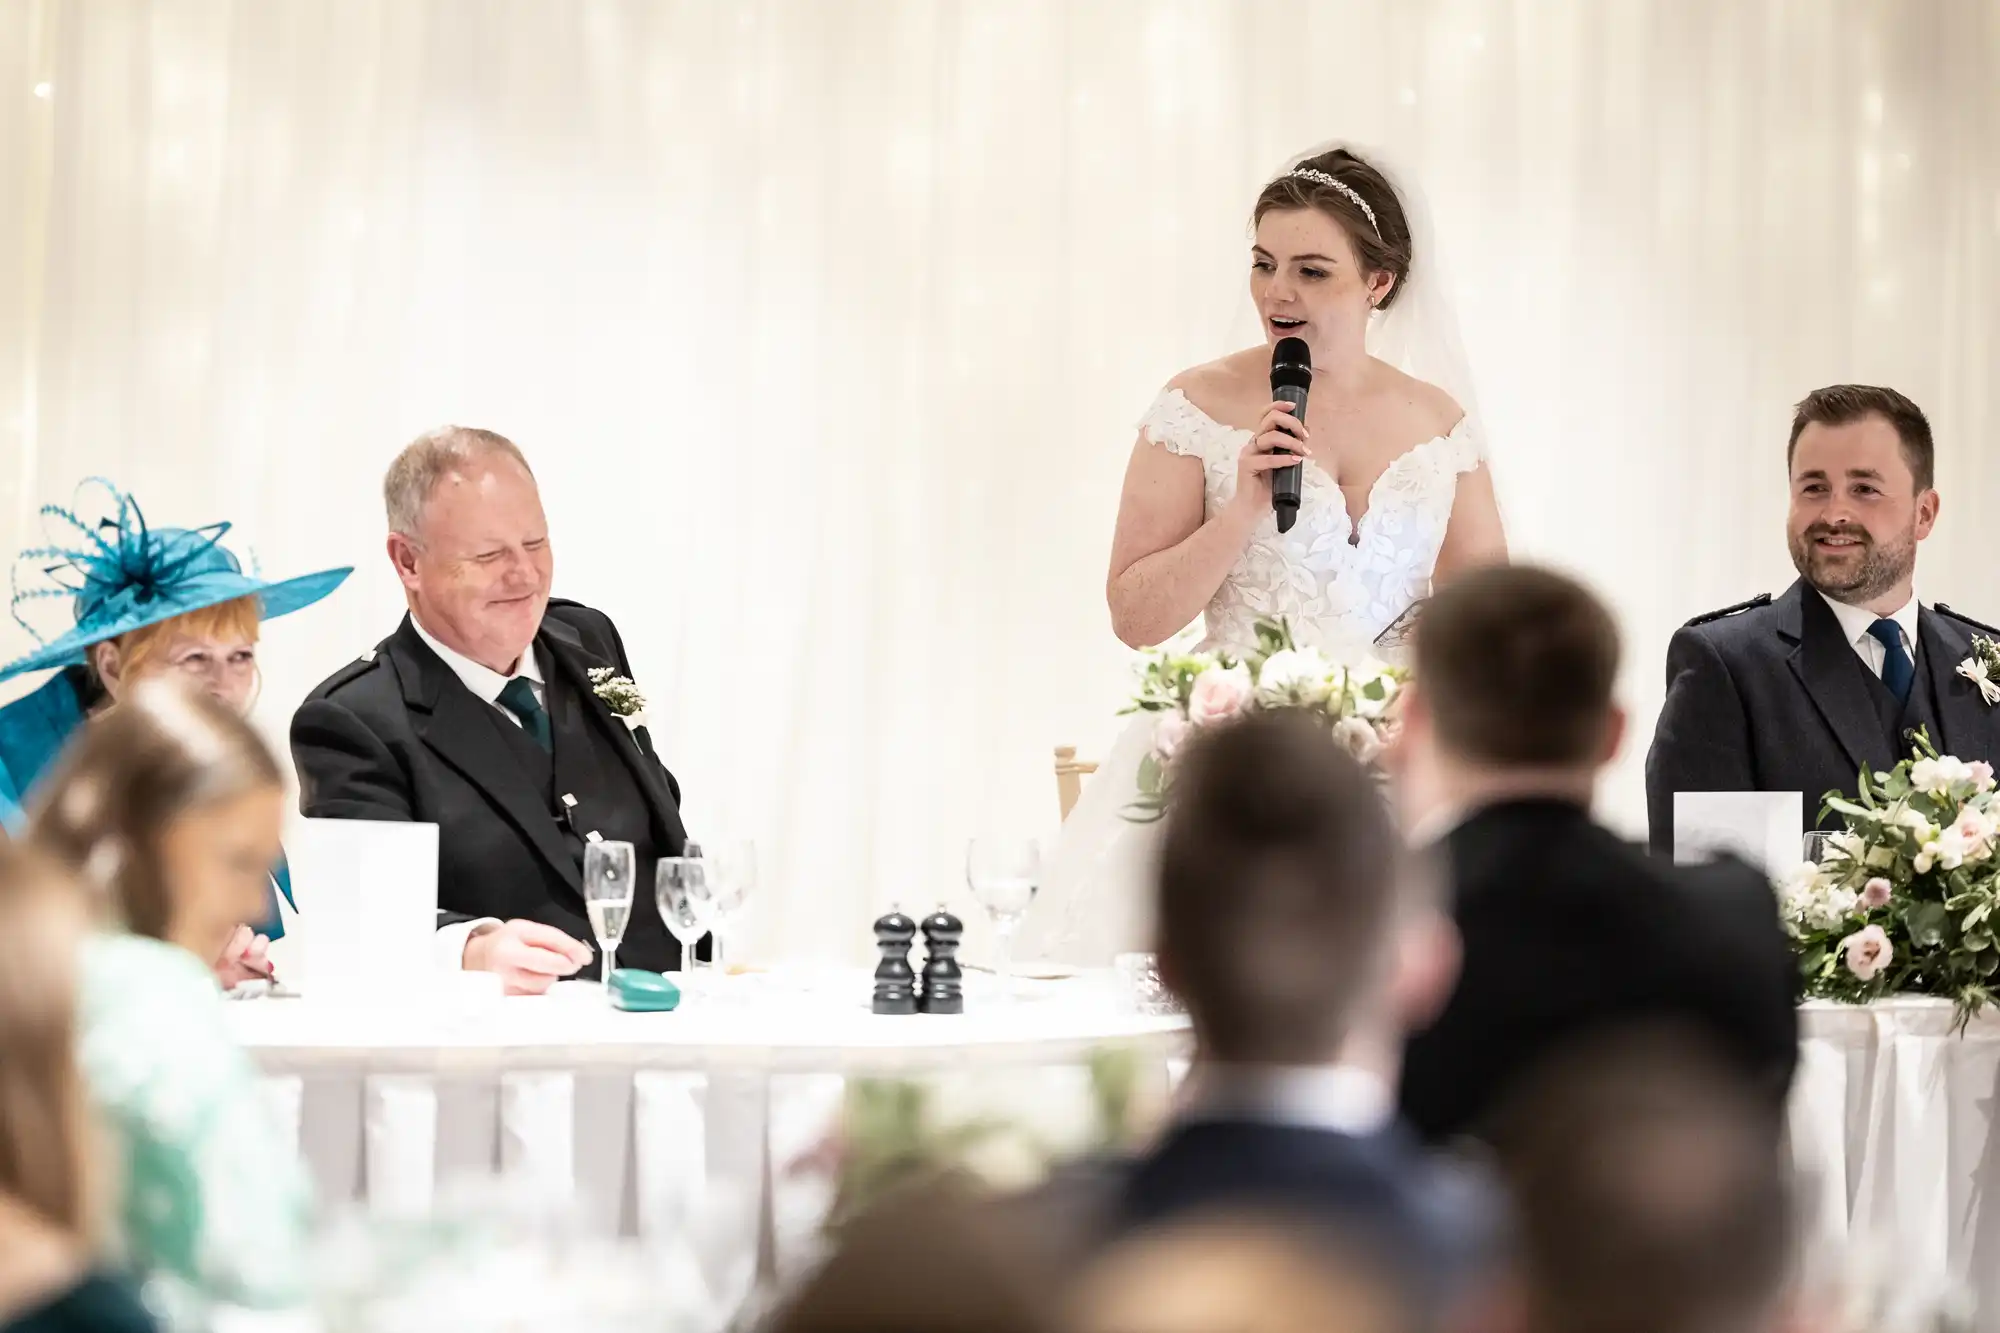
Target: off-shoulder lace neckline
[[1315, 473]]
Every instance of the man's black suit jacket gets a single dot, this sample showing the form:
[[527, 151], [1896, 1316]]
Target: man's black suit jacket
[[1772, 697], [398, 736], [1570, 932]]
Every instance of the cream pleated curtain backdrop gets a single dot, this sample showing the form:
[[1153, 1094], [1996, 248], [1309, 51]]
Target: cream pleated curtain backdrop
[[826, 323]]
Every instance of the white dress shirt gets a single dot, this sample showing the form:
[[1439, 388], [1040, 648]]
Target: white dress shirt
[[1854, 623], [1340, 1099], [485, 683]]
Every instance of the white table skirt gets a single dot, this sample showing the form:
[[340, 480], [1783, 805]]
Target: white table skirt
[[1891, 1117], [640, 1121]]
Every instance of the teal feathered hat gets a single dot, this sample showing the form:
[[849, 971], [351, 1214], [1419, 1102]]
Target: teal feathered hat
[[122, 575]]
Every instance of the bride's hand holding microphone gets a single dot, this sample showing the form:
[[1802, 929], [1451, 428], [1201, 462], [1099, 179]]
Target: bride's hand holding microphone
[[1280, 442]]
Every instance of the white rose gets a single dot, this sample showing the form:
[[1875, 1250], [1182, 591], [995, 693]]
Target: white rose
[[1948, 849], [1800, 880], [1358, 737], [1848, 845], [1936, 777], [1295, 673], [1219, 694]]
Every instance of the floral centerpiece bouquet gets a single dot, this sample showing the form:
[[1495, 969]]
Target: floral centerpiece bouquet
[[1185, 691], [1902, 899]]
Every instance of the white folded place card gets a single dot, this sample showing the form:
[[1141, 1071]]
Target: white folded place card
[[1765, 828], [367, 895]]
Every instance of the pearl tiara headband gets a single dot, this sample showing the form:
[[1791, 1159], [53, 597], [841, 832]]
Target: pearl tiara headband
[[1353, 196]]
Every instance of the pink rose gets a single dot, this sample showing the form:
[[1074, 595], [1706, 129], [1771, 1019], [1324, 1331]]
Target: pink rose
[[1219, 694], [1169, 733], [1875, 893], [1982, 775], [1867, 951]]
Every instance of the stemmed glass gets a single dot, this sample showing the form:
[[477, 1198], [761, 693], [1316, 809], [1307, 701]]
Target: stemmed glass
[[732, 875], [687, 905], [1003, 874], [609, 870], [1814, 844]]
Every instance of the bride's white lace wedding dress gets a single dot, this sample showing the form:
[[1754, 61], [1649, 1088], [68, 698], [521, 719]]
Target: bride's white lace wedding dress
[[1339, 584]]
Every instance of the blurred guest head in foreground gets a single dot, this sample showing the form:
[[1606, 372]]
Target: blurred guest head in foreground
[[49, 1192], [1291, 924], [1650, 1193], [1515, 668], [172, 807], [1567, 929], [1242, 1273], [929, 1259], [1304, 943], [169, 809]]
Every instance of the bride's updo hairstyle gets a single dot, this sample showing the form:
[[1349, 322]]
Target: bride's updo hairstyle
[[1358, 197]]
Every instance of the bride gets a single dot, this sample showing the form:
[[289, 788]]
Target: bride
[[1395, 494]]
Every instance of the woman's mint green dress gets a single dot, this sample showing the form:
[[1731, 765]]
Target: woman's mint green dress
[[215, 1202]]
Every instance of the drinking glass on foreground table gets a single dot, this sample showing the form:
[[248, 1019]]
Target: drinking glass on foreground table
[[1815, 845], [1002, 874], [608, 872], [687, 905], [731, 873]]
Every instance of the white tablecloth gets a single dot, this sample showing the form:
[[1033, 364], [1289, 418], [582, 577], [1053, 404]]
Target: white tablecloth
[[640, 1121], [1892, 1116]]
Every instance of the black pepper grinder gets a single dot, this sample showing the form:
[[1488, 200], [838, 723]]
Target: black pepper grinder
[[944, 981], [895, 982]]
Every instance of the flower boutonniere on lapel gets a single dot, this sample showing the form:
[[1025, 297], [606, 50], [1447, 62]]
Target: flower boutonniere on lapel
[[620, 695], [1983, 668]]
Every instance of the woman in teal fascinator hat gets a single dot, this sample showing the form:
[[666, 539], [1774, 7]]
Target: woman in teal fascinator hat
[[147, 603]]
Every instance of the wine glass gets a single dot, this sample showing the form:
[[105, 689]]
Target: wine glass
[[687, 905], [1815, 842], [609, 869], [1003, 873], [731, 872]]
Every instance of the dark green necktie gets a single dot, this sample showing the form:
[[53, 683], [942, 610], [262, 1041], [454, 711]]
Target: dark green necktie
[[517, 696]]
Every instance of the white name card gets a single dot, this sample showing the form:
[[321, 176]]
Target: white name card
[[367, 895], [1762, 827]]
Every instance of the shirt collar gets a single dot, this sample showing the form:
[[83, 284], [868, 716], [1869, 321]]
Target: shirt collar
[[483, 681], [1855, 620], [1341, 1099]]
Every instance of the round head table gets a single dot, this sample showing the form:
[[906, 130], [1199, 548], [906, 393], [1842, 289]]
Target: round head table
[[803, 1022]]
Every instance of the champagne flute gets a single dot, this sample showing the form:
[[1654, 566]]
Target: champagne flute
[[609, 869], [687, 905], [1003, 874]]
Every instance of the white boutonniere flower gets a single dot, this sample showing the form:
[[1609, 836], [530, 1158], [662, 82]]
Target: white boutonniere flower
[[1983, 668], [620, 695]]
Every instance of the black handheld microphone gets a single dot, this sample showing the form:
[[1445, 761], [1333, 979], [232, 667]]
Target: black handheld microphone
[[1291, 378]]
